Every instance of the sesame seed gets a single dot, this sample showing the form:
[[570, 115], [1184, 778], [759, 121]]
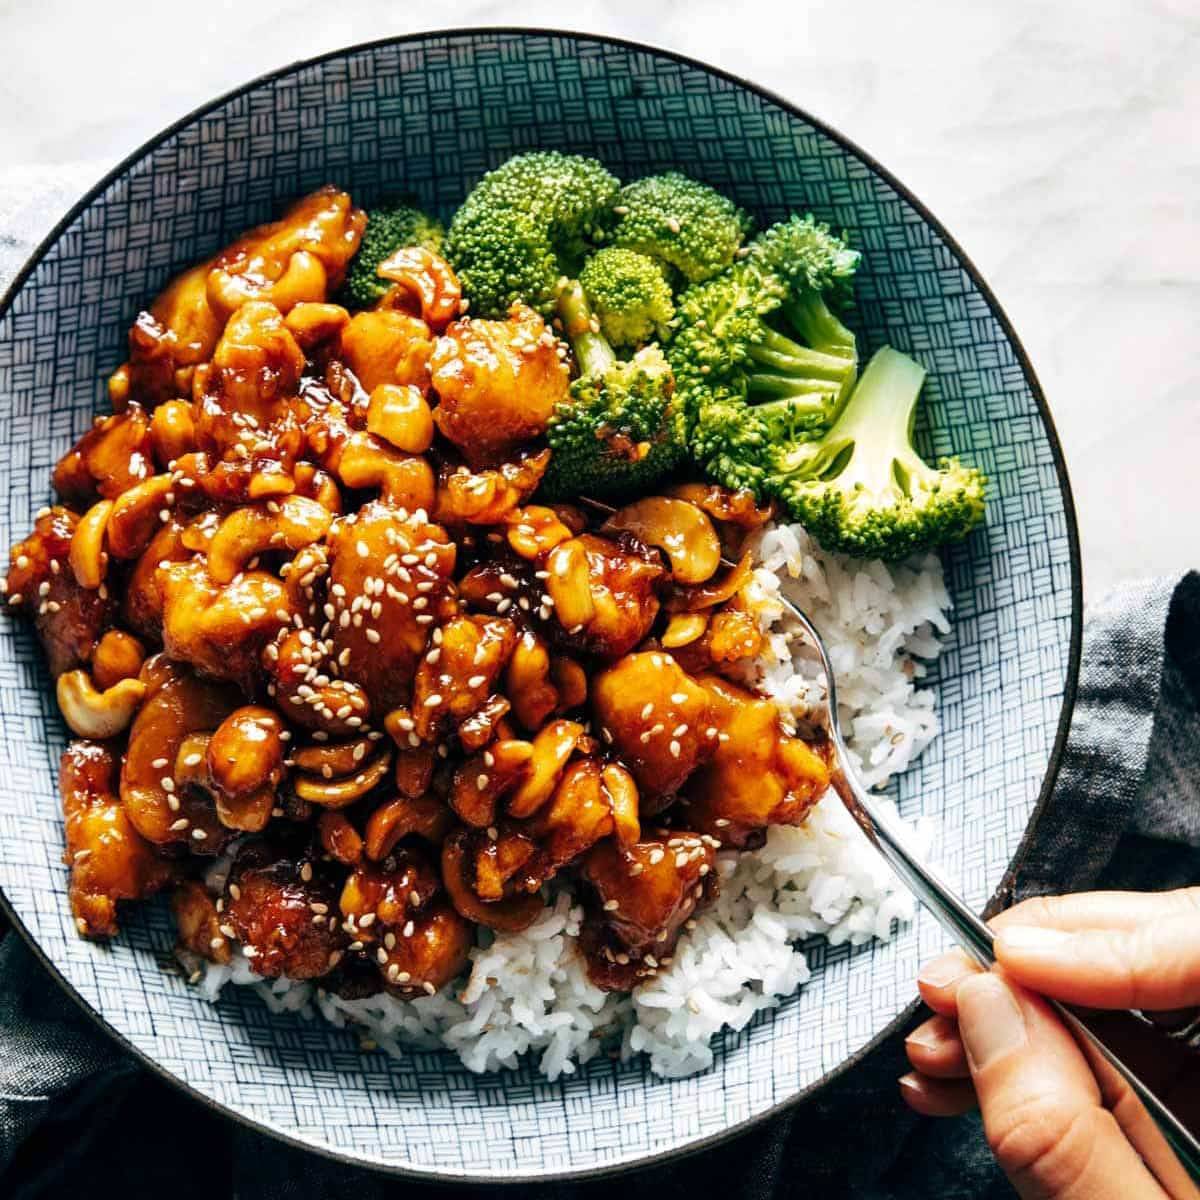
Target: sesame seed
[[179, 825], [306, 872], [159, 763], [373, 636], [381, 956], [674, 748], [611, 905], [430, 990], [199, 835], [408, 929], [433, 701], [235, 891], [366, 920]]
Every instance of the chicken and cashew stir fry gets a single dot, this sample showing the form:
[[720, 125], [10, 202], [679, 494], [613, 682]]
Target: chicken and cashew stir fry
[[306, 609]]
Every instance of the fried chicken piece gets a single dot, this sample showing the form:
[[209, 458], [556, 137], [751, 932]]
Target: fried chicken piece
[[142, 602], [198, 924], [387, 346], [255, 372], [109, 860], [113, 456], [497, 382], [281, 904], [638, 902], [455, 678], [415, 936], [301, 257], [69, 619], [759, 775], [167, 342], [603, 592], [657, 717], [388, 584], [221, 629]]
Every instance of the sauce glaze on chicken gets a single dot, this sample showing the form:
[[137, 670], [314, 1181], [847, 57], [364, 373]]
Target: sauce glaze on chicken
[[303, 604]]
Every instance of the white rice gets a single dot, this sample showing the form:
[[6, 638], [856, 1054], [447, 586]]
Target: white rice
[[528, 993]]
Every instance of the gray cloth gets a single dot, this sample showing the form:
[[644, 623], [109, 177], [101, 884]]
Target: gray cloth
[[75, 1110], [1125, 813]]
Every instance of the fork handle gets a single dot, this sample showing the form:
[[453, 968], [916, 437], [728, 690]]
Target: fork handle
[[976, 939]]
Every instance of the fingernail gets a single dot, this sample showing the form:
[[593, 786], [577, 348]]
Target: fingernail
[[910, 1082], [942, 972], [1032, 939], [990, 1021], [926, 1039]]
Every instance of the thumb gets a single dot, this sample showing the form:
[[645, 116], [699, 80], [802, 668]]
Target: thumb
[[1153, 966], [1042, 1109]]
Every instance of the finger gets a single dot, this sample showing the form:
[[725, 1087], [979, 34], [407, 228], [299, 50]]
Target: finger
[[1041, 1106], [937, 1097], [1136, 1123], [1153, 966], [1101, 910], [938, 980], [935, 1049]]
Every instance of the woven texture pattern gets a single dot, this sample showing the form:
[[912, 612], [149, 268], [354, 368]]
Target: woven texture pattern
[[427, 116]]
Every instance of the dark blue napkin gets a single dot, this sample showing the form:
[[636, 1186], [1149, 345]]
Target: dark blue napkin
[[76, 1114]]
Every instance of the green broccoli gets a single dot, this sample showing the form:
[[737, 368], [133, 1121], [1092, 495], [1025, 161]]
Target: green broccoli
[[389, 228], [620, 430], [682, 222], [862, 488], [629, 294], [759, 356], [527, 224]]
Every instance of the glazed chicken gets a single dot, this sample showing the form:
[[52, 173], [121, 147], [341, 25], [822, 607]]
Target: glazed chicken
[[344, 681]]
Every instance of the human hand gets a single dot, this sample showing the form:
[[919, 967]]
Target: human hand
[[1062, 1124]]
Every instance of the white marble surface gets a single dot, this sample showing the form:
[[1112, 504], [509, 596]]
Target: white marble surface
[[1059, 143]]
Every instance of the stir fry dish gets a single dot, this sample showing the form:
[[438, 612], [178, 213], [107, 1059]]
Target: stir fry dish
[[328, 596]]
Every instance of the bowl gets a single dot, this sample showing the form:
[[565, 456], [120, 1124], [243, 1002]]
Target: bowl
[[428, 114]]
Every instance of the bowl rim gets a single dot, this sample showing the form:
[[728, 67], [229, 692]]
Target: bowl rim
[[1002, 894]]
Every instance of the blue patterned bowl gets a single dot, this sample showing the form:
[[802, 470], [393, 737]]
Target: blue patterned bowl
[[428, 114]]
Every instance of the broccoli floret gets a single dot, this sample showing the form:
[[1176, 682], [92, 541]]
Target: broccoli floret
[[620, 430], [390, 227], [525, 225], [759, 356], [862, 488], [629, 294], [682, 222]]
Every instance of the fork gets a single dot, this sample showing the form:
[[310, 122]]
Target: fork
[[952, 911], [947, 906]]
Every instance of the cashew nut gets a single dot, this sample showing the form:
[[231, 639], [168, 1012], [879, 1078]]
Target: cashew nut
[[534, 530], [336, 758], [683, 629], [429, 280], [622, 795], [339, 839], [288, 524], [678, 527], [568, 584], [425, 817], [527, 682], [400, 415], [337, 793], [553, 745], [93, 714], [86, 556], [136, 516]]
